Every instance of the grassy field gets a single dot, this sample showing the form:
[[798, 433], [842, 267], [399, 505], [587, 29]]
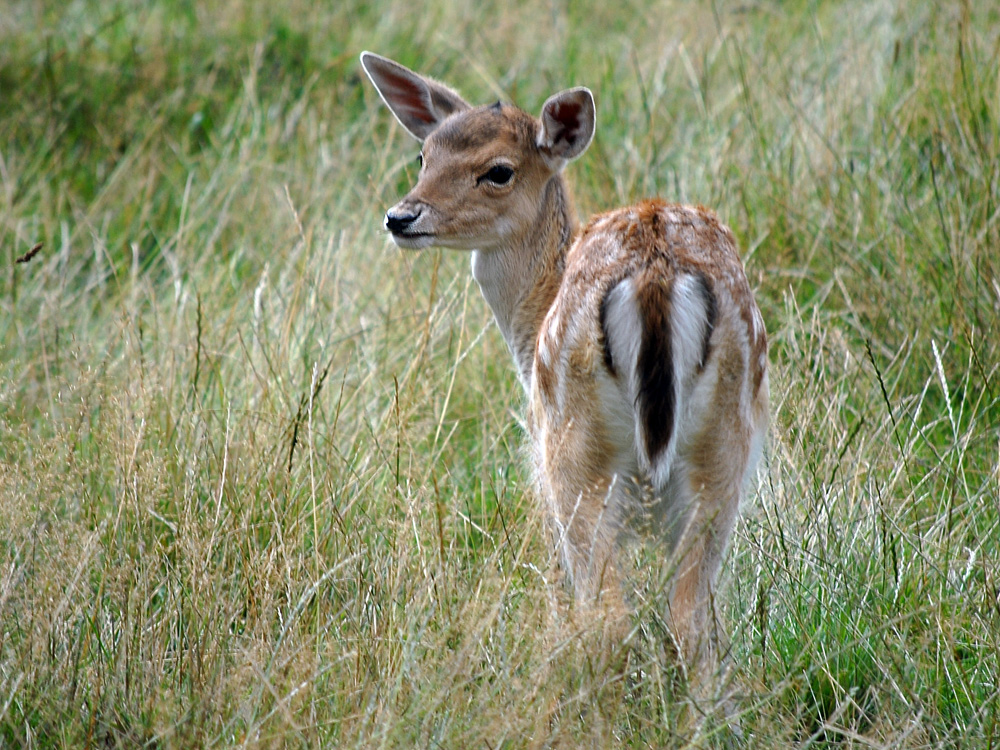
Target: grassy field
[[261, 475]]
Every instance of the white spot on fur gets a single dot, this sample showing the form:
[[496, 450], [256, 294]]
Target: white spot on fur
[[758, 324], [543, 351]]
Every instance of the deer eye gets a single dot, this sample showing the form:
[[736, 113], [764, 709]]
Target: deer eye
[[420, 158], [498, 175]]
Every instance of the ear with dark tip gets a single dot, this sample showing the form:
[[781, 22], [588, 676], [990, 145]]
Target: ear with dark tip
[[419, 103], [568, 121]]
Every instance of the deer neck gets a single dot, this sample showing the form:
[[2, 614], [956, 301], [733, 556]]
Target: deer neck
[[520, 279]]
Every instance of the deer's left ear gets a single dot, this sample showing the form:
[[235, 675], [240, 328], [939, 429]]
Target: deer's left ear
[[420, 104], [568, 121]]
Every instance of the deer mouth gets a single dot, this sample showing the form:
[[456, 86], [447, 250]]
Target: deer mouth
[[412, 240]]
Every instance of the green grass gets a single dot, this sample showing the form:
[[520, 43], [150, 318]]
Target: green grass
[[261, 474]]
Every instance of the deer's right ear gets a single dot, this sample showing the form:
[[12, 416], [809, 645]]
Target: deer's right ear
[[419, 103], [568, 122]]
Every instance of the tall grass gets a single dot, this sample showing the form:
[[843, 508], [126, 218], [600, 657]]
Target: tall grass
[[260, 473]]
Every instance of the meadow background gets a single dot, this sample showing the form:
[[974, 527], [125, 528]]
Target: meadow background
[[261, 482]]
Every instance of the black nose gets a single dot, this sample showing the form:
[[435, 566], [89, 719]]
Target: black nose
[[399, 223]]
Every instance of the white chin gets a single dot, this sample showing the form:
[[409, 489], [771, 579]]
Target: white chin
[[413, 243]]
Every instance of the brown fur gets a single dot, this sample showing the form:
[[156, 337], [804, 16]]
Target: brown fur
[[637, 338]]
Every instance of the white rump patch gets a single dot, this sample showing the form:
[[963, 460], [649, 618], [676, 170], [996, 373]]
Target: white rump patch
[[624, 323], [623, 331], [689, 324]]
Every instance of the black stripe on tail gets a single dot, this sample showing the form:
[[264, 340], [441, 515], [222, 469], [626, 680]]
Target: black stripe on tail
[[656, 396], [602, 317], [711, 313]]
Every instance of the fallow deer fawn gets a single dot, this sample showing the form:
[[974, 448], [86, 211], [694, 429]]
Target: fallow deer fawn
[[636, 338]]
